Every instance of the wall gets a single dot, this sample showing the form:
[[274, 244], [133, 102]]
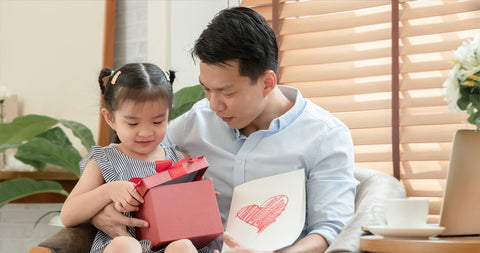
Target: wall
[[163, 33], [50, 54], [188, 19]]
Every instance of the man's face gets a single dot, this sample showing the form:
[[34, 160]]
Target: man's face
[[234, 98]]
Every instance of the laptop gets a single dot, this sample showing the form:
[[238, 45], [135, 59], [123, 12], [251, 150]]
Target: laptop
[[460, 212]]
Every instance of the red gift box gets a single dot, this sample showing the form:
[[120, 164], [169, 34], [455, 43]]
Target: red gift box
[[179, 204]]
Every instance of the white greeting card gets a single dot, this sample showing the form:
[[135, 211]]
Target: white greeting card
[[268, 213]]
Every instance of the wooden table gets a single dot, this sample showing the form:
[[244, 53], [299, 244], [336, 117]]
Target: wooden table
[[467, 244]]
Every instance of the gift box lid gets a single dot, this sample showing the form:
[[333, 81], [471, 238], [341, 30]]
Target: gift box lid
[[186, 170]]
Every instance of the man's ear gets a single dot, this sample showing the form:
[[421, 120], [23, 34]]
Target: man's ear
[[108, 117], [269, 79]]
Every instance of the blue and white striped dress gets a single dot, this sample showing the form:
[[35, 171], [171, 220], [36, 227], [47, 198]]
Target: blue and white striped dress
[[116, 166]]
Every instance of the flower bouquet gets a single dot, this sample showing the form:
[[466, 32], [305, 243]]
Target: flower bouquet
[[463, 83]]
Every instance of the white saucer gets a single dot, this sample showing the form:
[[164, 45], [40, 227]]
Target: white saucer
[[422, 232]]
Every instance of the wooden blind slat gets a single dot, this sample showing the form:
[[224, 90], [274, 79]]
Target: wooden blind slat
[[424, 187], [412, 67], [350, 104], [332, 38], [434, 209], [319, 7], [365, 119], [335, 21], [382, 155], [371, 136], [434, 100], [334, 54], [330, 72], [424, 169], [343, 87], [415, 155], [439, 117], [250, 3], [444, 42], [423, 9], [429, 133], [441, 27], [429, 82]]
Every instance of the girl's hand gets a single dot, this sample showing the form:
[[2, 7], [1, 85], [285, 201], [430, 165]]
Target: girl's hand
[[124, 196]]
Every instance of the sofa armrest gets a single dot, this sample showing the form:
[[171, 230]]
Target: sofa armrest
[[77, 239], [374, 186]]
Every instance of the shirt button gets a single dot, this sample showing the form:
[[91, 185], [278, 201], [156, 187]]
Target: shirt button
[[239, 161]]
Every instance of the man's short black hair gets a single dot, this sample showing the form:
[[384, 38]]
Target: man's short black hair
[[239, 34]]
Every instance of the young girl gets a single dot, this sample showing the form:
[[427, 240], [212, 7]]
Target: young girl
[[137, 100]]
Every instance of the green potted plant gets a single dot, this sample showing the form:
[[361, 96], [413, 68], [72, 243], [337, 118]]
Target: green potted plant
[[39, 140]]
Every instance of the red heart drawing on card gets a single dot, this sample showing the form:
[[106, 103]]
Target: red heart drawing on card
[[263, 216]]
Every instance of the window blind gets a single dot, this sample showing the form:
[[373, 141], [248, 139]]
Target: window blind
[[339, 54]]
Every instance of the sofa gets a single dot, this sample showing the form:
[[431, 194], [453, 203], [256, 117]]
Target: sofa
[[373, 187]]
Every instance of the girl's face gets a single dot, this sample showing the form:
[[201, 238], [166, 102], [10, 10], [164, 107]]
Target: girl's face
[[140, 126]]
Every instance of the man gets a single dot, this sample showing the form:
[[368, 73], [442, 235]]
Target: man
[[249, 127]]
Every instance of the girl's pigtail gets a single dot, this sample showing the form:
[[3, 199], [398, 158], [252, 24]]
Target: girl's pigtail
[[171, 75], [103, 73]]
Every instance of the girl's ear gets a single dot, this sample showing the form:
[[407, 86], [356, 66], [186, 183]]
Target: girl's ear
[[269, 79], [108, 117]]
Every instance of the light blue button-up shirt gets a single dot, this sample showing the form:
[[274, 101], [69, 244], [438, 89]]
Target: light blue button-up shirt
[[304, 137]]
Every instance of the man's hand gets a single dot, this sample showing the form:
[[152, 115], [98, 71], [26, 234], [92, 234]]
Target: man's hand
[[114, 223], [236, 247]]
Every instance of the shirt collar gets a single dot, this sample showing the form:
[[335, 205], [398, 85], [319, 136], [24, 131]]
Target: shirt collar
[[280, 123]]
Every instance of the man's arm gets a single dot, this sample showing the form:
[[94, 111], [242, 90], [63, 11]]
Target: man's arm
[[310, 243], [114, 223]]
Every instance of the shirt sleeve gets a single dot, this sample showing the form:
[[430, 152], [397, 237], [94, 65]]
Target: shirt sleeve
[[175, 131], [330, 184]]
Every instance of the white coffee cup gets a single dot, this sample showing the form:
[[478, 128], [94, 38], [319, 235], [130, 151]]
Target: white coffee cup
[[403, 213]]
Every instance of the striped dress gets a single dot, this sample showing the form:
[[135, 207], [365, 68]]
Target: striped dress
[[116, 166]]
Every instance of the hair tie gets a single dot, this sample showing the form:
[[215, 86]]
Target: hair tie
[[114, 78], [112, 72], [167, 74]]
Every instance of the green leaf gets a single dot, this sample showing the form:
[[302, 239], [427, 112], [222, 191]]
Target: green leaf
[[52, 147], [475, 99], [184, 99], [473, 118], [23, 128], [43, 216], [20, 187], [463, 101], [81, 132]]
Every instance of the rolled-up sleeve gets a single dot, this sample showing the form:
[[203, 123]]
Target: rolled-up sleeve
[[330, 184]]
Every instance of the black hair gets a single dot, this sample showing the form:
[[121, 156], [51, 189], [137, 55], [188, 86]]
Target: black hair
[[138, 82], [240, 34]]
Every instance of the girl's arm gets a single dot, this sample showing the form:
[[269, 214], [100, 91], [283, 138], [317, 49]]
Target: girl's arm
[[90, 195]]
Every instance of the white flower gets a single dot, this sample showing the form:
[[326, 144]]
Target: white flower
[[468, 57], [452, 92], [463, 83], [4, 93]]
